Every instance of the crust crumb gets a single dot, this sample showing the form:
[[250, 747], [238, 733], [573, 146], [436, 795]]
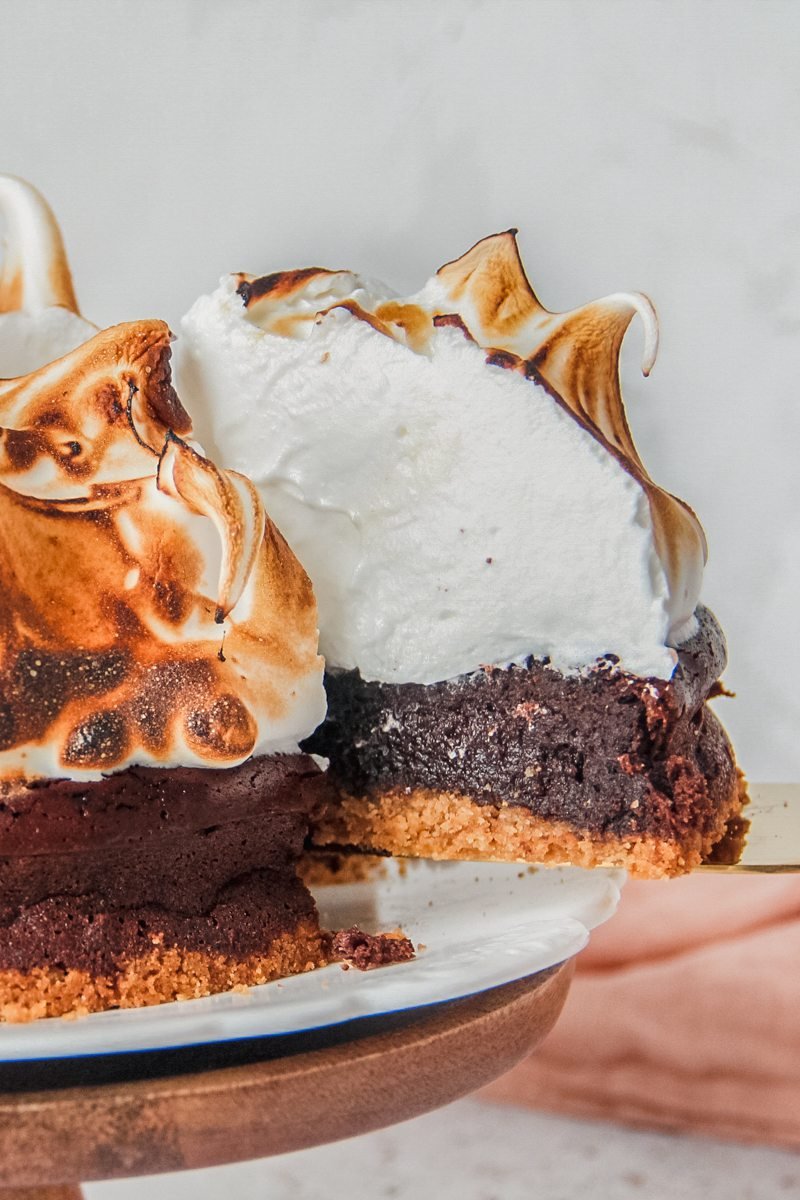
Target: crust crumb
[[366, 951]]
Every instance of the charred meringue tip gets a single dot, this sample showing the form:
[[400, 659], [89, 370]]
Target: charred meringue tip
[[34, 273], [232, 503], [637, 304]]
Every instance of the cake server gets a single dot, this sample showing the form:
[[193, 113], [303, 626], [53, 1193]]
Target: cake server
[[772, 842]]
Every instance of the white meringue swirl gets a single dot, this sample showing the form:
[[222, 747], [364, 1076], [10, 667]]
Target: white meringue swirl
[[454, 469]]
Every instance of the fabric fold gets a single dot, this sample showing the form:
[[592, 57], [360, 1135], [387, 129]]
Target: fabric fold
[[683, 1015]]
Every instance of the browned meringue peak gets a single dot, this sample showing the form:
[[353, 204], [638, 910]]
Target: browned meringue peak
[[39, 318], [230, 501], [34, 273], [578, 350], [287, 303], [95, 417], [121, 550], [576, 355], [279, 285]]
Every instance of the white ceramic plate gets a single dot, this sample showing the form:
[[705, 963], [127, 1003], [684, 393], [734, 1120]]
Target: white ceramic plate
[[478, 925]]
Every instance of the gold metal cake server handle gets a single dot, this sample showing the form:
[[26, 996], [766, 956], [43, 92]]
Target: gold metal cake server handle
[[772, 835]]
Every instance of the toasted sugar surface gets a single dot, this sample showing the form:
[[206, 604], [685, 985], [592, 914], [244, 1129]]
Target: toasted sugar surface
[[423, 823], [166, 974]]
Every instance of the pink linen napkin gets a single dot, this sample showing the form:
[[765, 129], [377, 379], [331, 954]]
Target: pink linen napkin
[[684, 1014]]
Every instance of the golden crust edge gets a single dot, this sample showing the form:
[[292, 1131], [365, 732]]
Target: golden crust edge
[[445, 825], [163, 975]]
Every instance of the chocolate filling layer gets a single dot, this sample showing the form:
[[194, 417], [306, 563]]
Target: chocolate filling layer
[[610, 753], [202, 859]]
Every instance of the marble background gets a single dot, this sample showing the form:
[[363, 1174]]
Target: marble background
[[638, 144]]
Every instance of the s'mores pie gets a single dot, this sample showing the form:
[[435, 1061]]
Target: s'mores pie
[[158, 670], [518, 664]]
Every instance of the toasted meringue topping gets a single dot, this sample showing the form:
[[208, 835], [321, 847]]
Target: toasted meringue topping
[[576, 355], [39, 317], [35, 273], [150, 611], [455, 468]]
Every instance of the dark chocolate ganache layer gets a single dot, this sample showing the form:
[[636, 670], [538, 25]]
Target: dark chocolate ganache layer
[[165, 837], [610, 753]]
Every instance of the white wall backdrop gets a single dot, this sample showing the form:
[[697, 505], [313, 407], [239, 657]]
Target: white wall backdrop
[[638, 144]]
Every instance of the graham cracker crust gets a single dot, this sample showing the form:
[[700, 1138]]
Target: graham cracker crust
[[424, 823], [163, 975]]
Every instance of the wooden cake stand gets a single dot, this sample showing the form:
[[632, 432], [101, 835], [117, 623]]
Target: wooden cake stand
[[67, 1121]]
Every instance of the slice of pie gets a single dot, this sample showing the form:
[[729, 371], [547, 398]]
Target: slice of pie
[[518, 666], [158, 668]]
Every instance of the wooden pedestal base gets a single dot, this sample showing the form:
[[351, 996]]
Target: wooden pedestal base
[[90, 1130], [43, 1193]]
